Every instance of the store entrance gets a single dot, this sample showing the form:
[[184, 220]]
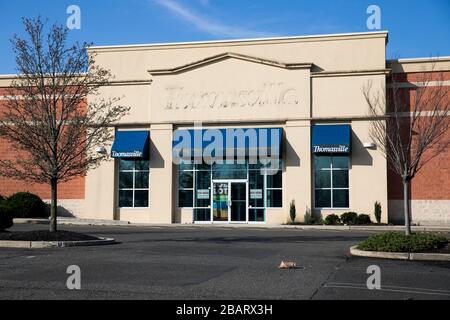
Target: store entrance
[[229, 201]]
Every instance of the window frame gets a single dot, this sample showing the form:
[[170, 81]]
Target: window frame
[[331, 188], [133, 189], [194, 169], [267, 189]]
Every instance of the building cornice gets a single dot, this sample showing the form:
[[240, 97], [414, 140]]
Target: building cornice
[[229, 55], [346, 73], [252, 41]]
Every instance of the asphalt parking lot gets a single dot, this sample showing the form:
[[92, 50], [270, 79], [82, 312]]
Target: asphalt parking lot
[[208, 262]]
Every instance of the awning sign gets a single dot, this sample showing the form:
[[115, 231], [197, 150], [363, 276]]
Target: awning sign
[[331, 139], [131, 144]]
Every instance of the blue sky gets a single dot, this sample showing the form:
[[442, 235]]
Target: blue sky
[[417, 28]]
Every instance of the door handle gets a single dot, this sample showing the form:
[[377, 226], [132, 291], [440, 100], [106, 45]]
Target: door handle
[[229, 203]]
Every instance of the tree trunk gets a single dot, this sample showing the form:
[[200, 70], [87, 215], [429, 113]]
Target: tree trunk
[[406, 207], [53, 205]]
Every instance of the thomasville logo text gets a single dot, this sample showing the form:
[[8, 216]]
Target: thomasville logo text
[[265, 95]]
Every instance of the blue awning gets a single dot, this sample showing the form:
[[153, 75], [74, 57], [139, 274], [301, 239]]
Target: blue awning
[[131, 144], [231, 142], [331, 139]]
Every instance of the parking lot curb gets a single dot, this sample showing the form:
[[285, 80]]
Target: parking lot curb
[[54, 244], [101, 222], [354, 251]]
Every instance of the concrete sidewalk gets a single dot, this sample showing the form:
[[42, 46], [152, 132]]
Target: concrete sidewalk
[[99, 222]]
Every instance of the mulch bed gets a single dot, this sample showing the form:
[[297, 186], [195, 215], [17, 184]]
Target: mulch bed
[[44, 235]]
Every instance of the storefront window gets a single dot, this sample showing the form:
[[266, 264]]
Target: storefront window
[[185, 185], [264, 185], [331, 181], [133, 183], [274, 187]]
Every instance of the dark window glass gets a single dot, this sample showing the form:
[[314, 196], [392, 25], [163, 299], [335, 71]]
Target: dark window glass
[[322, 179], [322, 162], [340, 198], [334, 176], [142, 165], [185, 198], [125, 164], [141, 180], [202, 202], [256, 181], [265, 163], [125, 198], [274, 178], [186, 166], [229, 174], [133, 174], [186, 179], [340, 162], [202, 214], [203, 179], [126, 180], [141, 198], [322, 198], [254, 166], [255, 215], [340, 179], [274, 198], [203, 166], [229, 166]]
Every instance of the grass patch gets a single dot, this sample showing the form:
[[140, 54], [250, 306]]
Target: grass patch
[[399, 242], [44, 235]]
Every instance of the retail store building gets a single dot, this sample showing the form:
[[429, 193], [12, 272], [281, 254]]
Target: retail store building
[[286, 115]]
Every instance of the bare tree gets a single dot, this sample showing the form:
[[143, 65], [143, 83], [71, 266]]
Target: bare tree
[[46, 116], [410, 126]]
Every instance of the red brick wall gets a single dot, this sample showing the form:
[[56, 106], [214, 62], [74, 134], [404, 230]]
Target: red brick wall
[[73, 189], [433, 181]]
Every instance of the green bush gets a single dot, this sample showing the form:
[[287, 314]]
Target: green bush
[[399, 242], [377, 211], [6, 219], [307, 218], [25, 205], [332, 219], [349, 218], [364, 219]]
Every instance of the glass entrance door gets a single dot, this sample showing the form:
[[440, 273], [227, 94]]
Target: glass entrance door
[[229, 201], [220, 199], [238, 205]]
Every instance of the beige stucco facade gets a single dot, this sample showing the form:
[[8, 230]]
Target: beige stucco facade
[[289, 83]]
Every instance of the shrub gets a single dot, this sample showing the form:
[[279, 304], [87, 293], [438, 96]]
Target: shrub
[[349, 218], [6, 219], [292, 212], [310, 219], [399, 242], [332, 219], [25, 205], [318, 221], [377, 211], [307, 217], [364, 219]]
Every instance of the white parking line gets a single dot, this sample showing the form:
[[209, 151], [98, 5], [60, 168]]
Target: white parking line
[[388, 288]]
